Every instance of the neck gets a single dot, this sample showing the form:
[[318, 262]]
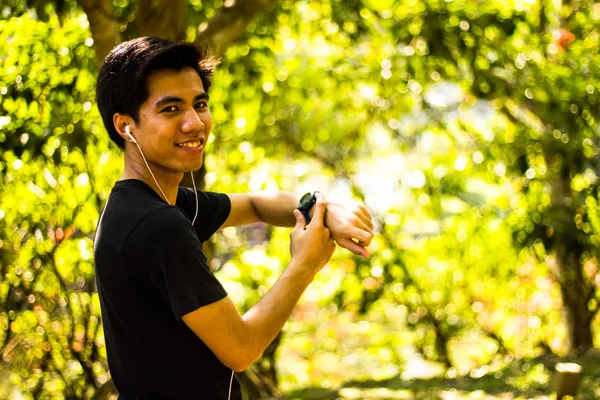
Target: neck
[[166, 183]]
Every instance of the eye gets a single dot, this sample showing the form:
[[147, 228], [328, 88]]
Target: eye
[[201, 105], [169, 109]]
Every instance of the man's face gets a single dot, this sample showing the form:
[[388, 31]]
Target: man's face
[[174, 122]]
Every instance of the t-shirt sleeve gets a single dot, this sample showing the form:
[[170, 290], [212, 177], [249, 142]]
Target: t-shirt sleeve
[[166, 250], [213, 210]]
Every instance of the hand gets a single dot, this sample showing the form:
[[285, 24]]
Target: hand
[[311, 245], [347, 223]]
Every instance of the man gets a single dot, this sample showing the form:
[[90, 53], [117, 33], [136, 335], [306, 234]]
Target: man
[[171, 330]]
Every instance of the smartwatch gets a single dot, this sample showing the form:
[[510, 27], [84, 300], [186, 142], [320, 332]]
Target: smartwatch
[[306, 203]]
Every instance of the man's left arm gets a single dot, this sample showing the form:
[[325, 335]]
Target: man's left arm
[[351, 226]]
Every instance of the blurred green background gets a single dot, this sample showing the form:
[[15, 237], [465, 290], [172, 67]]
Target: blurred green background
[[467, 127]]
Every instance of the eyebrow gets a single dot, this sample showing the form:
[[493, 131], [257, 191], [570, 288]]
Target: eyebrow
[[172, 99]]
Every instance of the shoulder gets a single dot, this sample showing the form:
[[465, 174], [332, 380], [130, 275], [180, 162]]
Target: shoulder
[[211, 205]]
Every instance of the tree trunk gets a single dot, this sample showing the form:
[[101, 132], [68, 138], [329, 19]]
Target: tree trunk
[[569, 271], [574, 295], [165, 19], [103, 26]]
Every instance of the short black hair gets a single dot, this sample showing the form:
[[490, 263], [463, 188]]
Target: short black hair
[[122, 85]]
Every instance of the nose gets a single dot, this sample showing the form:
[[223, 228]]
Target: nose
[[191, 121]]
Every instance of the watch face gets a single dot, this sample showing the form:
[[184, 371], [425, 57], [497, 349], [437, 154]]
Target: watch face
[[305, 198]]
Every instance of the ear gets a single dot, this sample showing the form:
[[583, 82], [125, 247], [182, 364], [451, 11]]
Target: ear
[[121, 121]]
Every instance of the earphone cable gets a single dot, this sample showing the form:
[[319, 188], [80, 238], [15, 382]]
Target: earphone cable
[[230, 384], [196, 193], [159, 188]]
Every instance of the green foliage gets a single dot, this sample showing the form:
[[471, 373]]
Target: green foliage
[[46, 86], [51, 193], [469, 129]]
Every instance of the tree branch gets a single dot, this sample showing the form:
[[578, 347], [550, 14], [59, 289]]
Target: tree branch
[[229, 24]]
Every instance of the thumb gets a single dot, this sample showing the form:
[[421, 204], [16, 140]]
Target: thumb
[[300, 220]]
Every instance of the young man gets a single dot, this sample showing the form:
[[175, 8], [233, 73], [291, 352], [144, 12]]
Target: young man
[[171, 330]]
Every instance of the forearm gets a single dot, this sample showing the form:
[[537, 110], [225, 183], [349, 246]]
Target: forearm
[[264, 321], [275, 208]]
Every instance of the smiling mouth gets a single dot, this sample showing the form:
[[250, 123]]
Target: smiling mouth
[[196, 143]]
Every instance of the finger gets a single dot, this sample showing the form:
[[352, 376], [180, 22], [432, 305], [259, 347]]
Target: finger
[[320, 207], [354, 247], [364, 237], [367, 218], [362, 223], [300, 220], [363, 213]]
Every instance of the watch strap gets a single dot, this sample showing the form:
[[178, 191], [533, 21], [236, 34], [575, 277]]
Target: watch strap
[[306, 216]]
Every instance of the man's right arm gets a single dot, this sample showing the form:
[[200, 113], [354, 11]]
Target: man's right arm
[[239, 340]]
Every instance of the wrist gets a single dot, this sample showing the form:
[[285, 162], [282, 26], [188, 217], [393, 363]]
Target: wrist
[[300, 271]]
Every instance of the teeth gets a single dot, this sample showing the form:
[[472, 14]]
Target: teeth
[[189, 144]]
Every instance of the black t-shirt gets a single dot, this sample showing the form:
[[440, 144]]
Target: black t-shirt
[[151, 271]]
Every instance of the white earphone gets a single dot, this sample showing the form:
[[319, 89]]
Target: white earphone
[[128, 133]]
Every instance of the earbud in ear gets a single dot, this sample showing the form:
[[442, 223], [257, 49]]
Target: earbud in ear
[[128, 133]]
